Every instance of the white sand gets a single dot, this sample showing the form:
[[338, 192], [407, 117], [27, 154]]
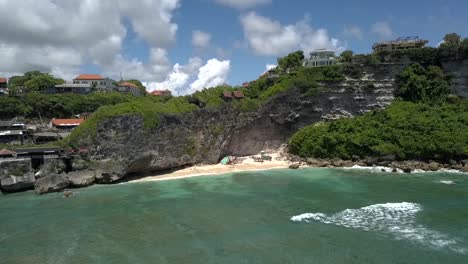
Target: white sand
[[278, 162]]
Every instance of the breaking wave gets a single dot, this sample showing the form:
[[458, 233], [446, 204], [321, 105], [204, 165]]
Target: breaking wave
[[396, 219]]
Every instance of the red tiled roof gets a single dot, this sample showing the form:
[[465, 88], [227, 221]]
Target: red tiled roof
[[227, 94], [6, 152], [89, 77], [3, 80], [161, 92], [67, 122], [128, 84], [239, 94]]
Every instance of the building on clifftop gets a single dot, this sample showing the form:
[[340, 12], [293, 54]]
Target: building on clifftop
[[403, 43], [97, 82], [320, 58], [3, 87]]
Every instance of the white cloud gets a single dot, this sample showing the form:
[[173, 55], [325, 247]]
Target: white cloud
[[213, 73], [353, 32], [268, 37], [200, 39], [382, 29], [243, 4], [194, 76], [60, 36], [270, 66]]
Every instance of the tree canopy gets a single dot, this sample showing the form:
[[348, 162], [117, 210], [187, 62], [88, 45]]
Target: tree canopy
[[291, 61], [417, 84], [33, 81]]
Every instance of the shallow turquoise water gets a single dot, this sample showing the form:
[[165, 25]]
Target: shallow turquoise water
[[355, 217]]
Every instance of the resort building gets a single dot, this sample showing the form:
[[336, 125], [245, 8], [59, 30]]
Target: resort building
[[97, 82], [70, 88], [320, 58], [403, 43], [228, 96]]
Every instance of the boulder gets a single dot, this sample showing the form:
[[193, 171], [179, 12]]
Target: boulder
[[18, 183], [337, 162], [78, 164], [14, 167], [434, 166], [407, 169], [295, 166], [81, 178], [465, 168], [51, 166], [51, 183]]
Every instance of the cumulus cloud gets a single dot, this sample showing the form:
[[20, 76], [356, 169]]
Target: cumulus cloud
[[200, 39], [213, 73], [60, 36], [382, 29], [270, 38], [194, 76], [243, 4], [353, 32]]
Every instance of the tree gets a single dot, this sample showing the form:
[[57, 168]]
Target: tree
[[33, 81], [347, 56], [291, 61], [417, 84], [452, 39]]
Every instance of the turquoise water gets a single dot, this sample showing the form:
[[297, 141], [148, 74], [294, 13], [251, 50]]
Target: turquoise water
[[282, 216]]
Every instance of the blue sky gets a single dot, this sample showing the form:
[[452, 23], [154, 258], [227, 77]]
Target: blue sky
[[153, 40], [429, 20]]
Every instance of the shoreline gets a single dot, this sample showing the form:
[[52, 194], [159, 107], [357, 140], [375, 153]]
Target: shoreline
[[218, 169]]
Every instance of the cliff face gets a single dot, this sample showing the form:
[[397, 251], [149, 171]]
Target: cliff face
[[123, 145]]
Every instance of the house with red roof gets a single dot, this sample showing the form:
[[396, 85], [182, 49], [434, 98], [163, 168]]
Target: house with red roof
[[161, 93], [66, 124], [97, 82], [3, 87], [128, 87]]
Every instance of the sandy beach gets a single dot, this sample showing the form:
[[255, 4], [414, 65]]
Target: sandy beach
[[246, 164]]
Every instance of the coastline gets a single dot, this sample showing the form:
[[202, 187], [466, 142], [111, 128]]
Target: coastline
[[248, 165], [206, 170]]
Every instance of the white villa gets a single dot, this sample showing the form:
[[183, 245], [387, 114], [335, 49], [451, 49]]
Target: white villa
[[320, 58]]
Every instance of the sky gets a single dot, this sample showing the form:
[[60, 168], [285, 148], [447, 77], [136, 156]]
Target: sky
[[188, 45]]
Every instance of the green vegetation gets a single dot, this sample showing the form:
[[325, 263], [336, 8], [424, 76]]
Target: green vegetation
[[417, 84], [405, 129], [32, 81], [38, 105], [291, 61], [146, 108]]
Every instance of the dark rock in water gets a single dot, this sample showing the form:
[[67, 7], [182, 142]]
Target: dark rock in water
[[295, 166], [395, 170], [371, 161], [81, 178], [18, 183], [407, 169], [464, 162], [67, 194], [457, 167], [452, 162], [51, 183], [355, 158]]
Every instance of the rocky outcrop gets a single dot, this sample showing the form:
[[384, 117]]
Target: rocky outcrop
[[51, 183], [16, 175], [82, 178], [18, 183], [51, 166]]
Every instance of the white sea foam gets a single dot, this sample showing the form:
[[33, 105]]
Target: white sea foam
[[447, 182], [396, 219], [373, 168]]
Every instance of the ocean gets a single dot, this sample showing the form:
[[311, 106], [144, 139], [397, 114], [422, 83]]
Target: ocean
[[277, 216]]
